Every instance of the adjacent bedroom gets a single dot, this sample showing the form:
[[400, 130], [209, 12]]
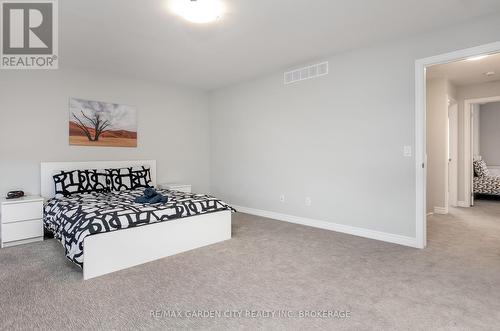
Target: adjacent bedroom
[[486, 150], [249, 165]]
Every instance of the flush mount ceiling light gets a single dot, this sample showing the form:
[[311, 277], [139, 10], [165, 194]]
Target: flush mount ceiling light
[[477, 58], [198, 11]]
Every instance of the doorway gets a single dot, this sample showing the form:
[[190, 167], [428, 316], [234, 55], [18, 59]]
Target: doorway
[[471, 150], [421, 157]]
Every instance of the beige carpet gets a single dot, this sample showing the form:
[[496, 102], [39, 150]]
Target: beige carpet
[[269, 266]]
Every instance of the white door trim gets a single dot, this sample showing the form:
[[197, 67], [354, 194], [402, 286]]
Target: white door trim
[[453, 153], [420, 130], [467, 146]]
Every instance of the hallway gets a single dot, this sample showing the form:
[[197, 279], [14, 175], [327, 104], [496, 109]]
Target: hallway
[[471, 231]]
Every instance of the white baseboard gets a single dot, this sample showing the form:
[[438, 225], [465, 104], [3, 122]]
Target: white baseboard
[[355, 231], [463, 204], [441, 210]]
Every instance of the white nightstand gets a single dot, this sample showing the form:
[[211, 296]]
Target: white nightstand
[[21, 220], [176, 187]]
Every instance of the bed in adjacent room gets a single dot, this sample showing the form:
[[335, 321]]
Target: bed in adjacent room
[[91, 210], [484, 183]]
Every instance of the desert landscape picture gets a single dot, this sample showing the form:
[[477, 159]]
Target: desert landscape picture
[[97, 123]]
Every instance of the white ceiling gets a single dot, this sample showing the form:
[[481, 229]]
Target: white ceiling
[[140, 38], [463, 73]]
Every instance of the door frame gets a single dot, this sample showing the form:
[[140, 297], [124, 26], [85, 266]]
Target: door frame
[[420, 129], [468, 145], [452, 153]]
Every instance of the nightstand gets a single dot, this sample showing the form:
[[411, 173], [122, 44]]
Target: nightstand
[[186, 188], [21, 220]]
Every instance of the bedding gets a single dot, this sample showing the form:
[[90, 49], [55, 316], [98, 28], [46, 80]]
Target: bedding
[[123, 179], [489, 185], [80, 181], [71, 219], [101, 180], [483, 182], [480, 168]]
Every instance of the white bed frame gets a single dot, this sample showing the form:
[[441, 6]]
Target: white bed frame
[[112, 251]]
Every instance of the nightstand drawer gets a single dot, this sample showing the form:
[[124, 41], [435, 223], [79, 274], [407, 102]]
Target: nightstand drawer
[[22, 211], [22, 230]]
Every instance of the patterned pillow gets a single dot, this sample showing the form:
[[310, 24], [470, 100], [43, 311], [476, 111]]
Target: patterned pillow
[[66, 183], [481, 169], [80, 181], [122, 179], [93, 180], [141, 177]]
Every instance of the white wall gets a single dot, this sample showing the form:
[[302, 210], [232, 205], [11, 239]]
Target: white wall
[[476, 130], [490, 133], [337, 139], [172, 125]]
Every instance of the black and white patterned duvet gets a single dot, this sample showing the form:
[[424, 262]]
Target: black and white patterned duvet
[[489, 185], [75, 217]]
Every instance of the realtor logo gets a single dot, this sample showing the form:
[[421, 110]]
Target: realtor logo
[[28, 34]]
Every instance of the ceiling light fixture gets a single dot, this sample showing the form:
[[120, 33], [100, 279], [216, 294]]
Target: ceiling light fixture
[[477, 58], [198, 11]]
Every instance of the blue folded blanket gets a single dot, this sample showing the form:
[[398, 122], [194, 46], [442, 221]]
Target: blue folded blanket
[[151, 196]]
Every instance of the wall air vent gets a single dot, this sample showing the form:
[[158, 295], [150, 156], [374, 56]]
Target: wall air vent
[[316, 70]]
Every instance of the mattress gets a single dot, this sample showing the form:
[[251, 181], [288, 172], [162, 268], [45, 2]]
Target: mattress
[[71, 219]]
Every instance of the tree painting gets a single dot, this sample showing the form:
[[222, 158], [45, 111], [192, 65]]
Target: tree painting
[[96, 123]]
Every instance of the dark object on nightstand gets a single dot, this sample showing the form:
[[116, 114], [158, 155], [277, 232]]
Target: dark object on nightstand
[[15, 194]]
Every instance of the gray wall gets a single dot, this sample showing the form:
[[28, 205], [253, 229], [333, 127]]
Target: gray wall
[[489, 133], [172, 121], [337, 139]]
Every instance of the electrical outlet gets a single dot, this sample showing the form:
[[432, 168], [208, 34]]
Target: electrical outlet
[[308, 202], [282, 198]]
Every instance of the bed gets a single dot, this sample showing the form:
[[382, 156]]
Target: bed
[[103, 231], [484, 182]]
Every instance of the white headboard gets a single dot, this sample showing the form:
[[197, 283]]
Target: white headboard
[[48, 169]]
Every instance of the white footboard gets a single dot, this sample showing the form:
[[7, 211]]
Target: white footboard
[[108, 252]]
